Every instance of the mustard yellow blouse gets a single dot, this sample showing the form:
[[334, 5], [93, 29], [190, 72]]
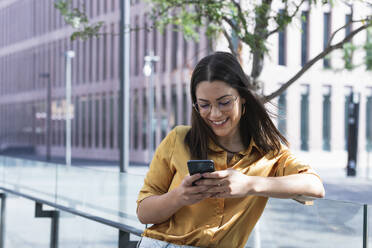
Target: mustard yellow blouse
[[211, 222]]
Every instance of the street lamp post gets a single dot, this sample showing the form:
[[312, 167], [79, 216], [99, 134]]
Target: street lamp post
[[69, 55], [124, 85], [148, 72], [49, 113]]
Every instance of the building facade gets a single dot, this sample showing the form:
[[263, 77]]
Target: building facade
[[34, 37]]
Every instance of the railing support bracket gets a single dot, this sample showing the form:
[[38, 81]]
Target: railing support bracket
[[54, 215], [124, 241]]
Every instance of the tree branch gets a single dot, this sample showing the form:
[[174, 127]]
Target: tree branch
[[241, 15], [291, 16], [231, 24], [310, 63], [231, 46], [343, 27]]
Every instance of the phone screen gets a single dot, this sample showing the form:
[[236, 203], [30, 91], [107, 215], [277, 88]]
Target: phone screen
[[200, 166]]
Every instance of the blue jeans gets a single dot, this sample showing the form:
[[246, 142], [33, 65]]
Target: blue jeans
[[146, 242]]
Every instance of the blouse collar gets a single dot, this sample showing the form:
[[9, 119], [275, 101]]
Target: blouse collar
[[214, 147]]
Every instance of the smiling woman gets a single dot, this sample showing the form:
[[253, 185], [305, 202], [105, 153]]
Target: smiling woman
[[231, 127]]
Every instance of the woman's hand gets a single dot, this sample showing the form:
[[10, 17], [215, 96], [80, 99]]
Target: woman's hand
[[188, 194], [227, 183]]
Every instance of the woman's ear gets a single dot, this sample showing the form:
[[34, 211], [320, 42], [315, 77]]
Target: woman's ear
[[243, 100]]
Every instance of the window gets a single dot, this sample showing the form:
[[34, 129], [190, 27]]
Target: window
[[368, 49], [145, 37], [98, 4], [112, 121], [185, 105], [91, 8], [144, 119], [136, 49], [327, 118], [282, 46], [174, 47], [184, 50], [348, 28], [174, 115], [97, 125], [103, 114], [164, 50], [155, 44], [348, 94], [209, 45], [326, 36], [196, 48], [90, 59], [155, 119], [282, 113], [305, 117], [98, 42], [105, 30], [77, 61], [84, 61], [83, 122], [136, 122], [112, 51], [113, 5], [77, 120], [304, 37], [369, 120], [164, 119], [90, 120]]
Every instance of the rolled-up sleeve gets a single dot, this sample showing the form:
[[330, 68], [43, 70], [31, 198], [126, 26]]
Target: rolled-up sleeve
[[288, 164], [160, 174]]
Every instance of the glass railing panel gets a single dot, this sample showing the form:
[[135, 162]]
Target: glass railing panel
[[34, 178], [22, 229], [327, 223], [109, 195], [75, 231]]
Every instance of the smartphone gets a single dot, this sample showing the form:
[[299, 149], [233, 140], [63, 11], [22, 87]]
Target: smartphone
[[200, 166]]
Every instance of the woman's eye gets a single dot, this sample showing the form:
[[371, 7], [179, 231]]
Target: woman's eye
[[204, 106], [225, 103]]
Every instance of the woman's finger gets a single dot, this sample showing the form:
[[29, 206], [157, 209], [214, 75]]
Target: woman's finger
[[190, 179], [211, 182], [198, 189], [216, 174]]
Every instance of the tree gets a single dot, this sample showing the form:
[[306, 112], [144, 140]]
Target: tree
[[250, 22]]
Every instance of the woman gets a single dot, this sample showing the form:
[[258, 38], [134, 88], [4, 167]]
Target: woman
[[231, 127]]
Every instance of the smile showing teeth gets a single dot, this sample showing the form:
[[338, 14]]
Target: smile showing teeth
[[219, 122]]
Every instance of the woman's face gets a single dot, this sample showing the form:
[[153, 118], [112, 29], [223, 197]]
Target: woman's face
[[220, 106]]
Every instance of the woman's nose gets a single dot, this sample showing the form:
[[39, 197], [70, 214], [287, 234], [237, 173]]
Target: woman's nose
[[215, 111]]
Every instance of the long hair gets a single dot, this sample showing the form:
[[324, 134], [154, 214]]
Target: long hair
[[255, 122]]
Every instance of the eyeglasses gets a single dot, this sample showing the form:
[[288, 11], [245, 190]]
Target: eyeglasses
[[225, 104]]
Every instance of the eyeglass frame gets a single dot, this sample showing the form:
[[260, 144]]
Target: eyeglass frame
[[195, 105]]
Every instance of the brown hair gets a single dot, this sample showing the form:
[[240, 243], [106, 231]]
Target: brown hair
[[255, 121]]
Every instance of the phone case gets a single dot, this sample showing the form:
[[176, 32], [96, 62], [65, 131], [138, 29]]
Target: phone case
[[200, 166]]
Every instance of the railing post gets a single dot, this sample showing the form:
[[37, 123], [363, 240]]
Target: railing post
[[124, 241], [54, 214], [2, 219], [365, 226]]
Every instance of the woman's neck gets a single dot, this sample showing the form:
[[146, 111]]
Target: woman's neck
[[232, 143]]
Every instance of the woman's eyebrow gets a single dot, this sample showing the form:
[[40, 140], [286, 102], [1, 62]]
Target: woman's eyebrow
[[201, 99], [222, 97]]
